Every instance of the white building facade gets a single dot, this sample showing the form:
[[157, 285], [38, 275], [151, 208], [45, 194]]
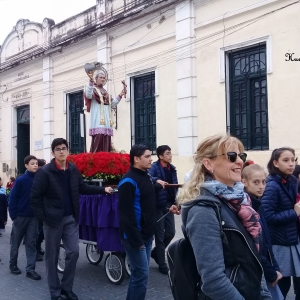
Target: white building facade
[[193, 69]]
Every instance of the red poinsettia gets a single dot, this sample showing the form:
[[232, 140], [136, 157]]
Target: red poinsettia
[[101, 165]]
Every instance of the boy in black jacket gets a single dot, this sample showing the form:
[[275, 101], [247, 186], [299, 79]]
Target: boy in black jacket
[[137, 215], [55, 202]]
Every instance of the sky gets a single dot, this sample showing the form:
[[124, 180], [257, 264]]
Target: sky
[[36, 10]]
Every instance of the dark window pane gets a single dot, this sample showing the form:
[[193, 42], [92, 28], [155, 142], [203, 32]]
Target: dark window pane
[[144, 112], [77, 143], [248, 97]]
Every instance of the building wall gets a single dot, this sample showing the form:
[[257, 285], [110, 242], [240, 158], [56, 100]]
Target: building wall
[[153, 43], [283, 33]]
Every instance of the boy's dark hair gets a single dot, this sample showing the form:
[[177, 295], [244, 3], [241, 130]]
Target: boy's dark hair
[[41, 162], [275, 156], [59, 141], [137, 150], [28, 158], [12, 178], [161, 150]]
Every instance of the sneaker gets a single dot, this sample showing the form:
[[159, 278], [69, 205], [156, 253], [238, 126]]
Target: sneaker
[[39, 257], [164, 269], [33, 275], [41, 251], [68, 295], [153, 255], [14, 269]]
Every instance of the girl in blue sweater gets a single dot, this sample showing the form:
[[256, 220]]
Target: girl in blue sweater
[[282, 212]]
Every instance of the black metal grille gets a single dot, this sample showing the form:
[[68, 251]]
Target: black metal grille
[[23, 136], [248, 97], [76, 141], [23, 114], [145, 111]]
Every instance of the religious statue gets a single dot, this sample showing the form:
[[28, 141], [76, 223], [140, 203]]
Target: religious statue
[[99, 103]]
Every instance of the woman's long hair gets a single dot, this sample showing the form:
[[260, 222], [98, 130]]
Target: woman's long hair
[[212, 146]]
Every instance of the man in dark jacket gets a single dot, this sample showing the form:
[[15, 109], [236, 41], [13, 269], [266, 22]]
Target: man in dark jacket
[[55, 202], [165, 228], [137, 217]]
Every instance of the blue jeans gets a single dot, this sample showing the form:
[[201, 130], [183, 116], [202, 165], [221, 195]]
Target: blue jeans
[[139, 266]]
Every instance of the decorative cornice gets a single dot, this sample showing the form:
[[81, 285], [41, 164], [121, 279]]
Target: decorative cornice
[[21, 95]]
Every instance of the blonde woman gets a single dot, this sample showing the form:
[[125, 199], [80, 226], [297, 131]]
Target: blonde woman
[[228, 260]]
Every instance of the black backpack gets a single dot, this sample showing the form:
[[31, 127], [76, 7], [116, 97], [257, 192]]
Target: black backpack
[[184, 278]]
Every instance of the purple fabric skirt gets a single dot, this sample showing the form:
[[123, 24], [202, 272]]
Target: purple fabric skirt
[[99, 221]]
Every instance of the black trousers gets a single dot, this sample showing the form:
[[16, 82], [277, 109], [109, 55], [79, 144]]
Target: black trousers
[[285, 284], [40, 236], [24, 226], [164, 233], [67, 232]]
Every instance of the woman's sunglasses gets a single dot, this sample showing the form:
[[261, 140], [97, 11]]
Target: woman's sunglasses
[[232, 156]]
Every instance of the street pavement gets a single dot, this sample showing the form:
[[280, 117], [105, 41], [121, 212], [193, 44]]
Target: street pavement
[[90, 281]]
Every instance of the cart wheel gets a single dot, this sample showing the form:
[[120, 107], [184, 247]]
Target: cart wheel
[[61, 259], [115, 267], [127, 266], [93, 254]]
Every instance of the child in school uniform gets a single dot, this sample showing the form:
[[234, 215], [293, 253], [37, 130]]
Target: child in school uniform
[[254, 180]]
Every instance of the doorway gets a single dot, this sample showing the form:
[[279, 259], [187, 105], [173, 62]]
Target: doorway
[[23, 137]]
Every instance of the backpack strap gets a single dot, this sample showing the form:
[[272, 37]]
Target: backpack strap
[[217, 209]]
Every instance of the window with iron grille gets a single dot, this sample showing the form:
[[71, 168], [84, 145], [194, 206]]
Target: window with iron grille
[[248, 97], [144, 111], [76, 119]]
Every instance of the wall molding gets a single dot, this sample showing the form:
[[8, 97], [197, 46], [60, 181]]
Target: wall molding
[[130, 81], [66, 96], [244, 44]]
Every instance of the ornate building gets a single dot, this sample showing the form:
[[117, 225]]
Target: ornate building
[[193, 68]]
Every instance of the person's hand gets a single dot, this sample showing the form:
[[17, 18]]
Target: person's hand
[[297, 208], [279, 276], [90, 74], [122, 93], [108, 190], [161, 182], [174, 210], [141, 247], [5, 223]]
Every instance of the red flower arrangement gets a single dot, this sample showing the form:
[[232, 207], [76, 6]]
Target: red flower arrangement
[[101, 165]]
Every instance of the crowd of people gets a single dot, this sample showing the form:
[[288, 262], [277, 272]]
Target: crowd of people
[[254, 253]]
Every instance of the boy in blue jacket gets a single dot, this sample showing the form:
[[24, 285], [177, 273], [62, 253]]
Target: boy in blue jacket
[[24, 221], [163, 170]]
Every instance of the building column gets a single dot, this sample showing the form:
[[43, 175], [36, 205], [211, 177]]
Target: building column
[[104, 51], [101, 9], [47, 107], [186, 79], [104, 56]]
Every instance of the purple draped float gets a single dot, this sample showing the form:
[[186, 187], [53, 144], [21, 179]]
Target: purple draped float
[[99, 221]]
